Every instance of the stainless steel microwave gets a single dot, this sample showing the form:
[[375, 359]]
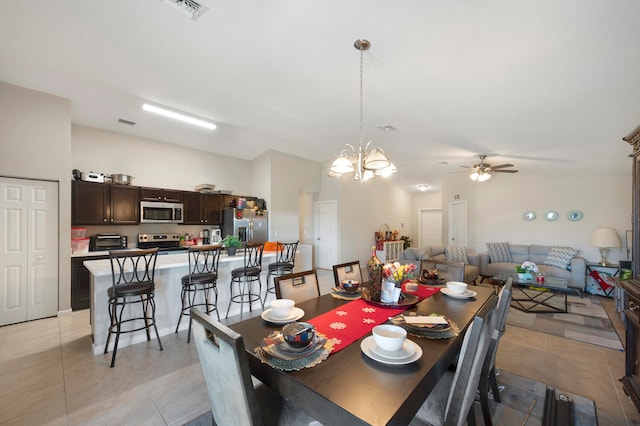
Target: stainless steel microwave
[[152, 212]]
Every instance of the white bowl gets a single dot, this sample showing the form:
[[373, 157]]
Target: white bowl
[[282, 308], [389, 337], [456, 287]]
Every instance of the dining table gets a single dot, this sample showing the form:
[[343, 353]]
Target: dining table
[[349, 387]]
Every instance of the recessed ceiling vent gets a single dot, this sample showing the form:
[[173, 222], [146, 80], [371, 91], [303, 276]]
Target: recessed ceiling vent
[[190, 8]]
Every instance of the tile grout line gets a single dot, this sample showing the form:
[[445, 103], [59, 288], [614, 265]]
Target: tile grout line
[[64, 376], [614, 383]]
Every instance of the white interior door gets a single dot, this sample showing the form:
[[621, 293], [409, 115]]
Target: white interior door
[[430, 223], [29, 261], [458, 223], [325, 225]]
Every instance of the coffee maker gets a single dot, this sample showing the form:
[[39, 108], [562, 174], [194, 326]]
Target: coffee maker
[[211, 235], [206, 236]]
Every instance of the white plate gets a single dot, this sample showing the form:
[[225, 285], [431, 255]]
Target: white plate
[[296, 314], [368, 343], [466, 295], [406, 351]]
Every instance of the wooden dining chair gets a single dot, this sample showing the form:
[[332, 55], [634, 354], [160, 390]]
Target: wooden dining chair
[[234, 400], [449, 271], [347, 271], [299, 287], [488, 375], [451, 401]]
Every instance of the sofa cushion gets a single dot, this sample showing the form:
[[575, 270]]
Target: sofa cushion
[[455, 254], [415, 253], [499, 252], [560, 257]]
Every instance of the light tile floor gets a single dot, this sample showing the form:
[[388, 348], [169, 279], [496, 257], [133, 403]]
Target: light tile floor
[[49, 377]]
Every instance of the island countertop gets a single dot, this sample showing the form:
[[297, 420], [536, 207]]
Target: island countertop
[[170, 268]]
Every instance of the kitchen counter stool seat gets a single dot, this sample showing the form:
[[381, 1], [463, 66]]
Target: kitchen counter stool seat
[[132, 273], [284, 264], [244, 278], [202, 280]]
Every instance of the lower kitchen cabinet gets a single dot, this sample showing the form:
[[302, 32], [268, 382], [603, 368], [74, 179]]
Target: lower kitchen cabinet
[[81, 282]]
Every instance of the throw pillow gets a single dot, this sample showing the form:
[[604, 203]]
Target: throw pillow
[[560, 257], [455, 254], [499, 252]]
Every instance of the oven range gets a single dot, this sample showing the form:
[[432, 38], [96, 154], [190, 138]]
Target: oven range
[[164, 242]]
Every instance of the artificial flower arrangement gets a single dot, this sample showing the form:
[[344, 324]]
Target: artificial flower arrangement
[[397, 273], [527, 267]]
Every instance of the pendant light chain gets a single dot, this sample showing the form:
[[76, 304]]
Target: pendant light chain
[[361, 93]]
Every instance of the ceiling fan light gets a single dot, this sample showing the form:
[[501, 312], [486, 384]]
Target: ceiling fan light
[[376, 160], [341, 165]]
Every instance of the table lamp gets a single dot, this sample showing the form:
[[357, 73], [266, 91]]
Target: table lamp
[[604, 239]]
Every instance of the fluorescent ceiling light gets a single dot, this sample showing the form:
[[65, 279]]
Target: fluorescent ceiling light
[[179, 116]]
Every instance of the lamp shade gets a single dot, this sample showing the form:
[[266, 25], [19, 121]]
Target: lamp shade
[[605, 238], [341, 165]]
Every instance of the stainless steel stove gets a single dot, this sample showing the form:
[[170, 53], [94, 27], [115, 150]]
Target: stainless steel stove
[[164, 242]]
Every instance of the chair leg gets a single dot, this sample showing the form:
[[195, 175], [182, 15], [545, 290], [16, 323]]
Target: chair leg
[[471, 416], [118, 329], [494, 385], [155, 327], [182, 296], [483, 390]]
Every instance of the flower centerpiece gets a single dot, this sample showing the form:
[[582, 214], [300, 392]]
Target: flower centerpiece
[[394, 275], [526, 270]]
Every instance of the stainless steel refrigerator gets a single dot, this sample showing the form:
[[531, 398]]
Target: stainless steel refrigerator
[[248, 224]]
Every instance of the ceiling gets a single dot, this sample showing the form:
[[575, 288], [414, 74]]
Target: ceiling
[[544, 85]]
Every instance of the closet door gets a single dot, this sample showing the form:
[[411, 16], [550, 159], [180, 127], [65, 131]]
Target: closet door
[[29, 252]]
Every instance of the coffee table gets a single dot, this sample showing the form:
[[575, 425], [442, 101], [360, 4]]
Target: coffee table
[[531, 296]]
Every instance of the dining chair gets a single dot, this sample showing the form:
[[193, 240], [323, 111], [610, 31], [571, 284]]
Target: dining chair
[[245, 277], [299, 287], [488, 375], [347, 271], [451, 401], [202, 279], [449, 271], [234, 400], [284, 264], [132, 273]]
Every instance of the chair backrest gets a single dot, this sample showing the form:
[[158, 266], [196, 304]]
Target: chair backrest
[[450, 271], [470, 362], [501, 312], [300, 286], [347, 271], [204, 259], [133, 266], [226, 372], [253, 255], [286, 252]]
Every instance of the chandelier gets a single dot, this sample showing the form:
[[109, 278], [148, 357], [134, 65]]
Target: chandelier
[[367, 160]]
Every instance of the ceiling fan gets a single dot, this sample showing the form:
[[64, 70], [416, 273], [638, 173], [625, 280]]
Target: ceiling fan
[[482, 171]]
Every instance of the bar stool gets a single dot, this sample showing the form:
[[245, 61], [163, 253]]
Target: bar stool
[[132, 274], [285, 260], [203, 279], [245, 277]]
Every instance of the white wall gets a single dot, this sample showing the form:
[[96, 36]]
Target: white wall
[[35, 135], [157, 164]]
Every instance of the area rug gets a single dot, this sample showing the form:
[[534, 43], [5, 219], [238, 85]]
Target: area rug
[[585, 321], [523, 403]]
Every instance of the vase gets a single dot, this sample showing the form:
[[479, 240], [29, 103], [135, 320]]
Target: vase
[[374, 268], [525, 276], [389, 292]]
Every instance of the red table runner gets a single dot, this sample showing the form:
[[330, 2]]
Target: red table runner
[[351, 321]]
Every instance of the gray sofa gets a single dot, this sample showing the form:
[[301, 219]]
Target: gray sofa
[[576, 274], [414, 255]]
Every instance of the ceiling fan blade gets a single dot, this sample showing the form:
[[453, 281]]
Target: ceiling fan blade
[[501, 166], [505, 171]]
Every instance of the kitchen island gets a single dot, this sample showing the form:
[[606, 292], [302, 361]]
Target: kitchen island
[[170, 268]]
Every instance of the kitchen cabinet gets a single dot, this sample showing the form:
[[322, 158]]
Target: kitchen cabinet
[[104, 204], [202, 209], [81, 282], [161, 195]]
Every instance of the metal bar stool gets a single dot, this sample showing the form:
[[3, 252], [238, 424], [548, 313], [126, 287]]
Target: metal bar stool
[[132, 274], [202, 279], [285, 260], [245, 277]]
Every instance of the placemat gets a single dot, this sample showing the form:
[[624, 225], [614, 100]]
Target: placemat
[[349, 322]]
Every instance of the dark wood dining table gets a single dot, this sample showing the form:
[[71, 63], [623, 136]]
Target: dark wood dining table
[[349, 387]]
